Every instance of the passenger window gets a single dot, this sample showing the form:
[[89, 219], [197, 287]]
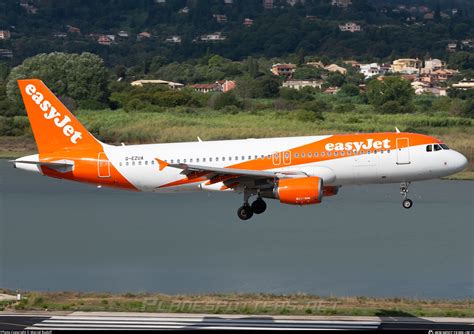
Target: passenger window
[[369, 151], [243, 158], [184, 160], [223, 158], [381, 151], [361, 152], [140, 163], [302, 155], [126, 164], [230, 158], [217, 158], [329, 154], [287, 155], [315, 154], [146, 162], [437, 147], [309, 154], [296, 155], [133, 163], [322, 154], [375, 151], [429, 148], [388, 151], [210, 159], [250, 157], [203, 159], [335, 154], [197, 159], [178, 160], [342, 153], [120, 164]]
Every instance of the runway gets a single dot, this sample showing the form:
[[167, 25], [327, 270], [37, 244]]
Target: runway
[[142, 321]]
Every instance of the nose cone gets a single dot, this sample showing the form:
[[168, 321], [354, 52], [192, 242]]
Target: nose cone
[[458, 162]]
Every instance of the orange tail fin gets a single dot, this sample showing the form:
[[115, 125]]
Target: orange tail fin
[[55, 128]]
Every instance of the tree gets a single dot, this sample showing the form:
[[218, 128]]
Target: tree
[[78, 76], [267, 87], [462, 60], [390, 89], [349, 90], [336, 79]]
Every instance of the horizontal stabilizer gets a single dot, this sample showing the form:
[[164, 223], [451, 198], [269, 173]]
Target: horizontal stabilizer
[[61, 166], [43, 163]]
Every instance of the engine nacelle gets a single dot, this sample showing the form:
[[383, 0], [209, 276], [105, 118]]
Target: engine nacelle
[[297, 191]]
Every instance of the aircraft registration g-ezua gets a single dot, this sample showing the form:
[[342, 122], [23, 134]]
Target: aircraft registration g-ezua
[[294, 170]]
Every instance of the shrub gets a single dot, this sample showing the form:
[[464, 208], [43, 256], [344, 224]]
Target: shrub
[[317, 106], [346, 107], [226, 99], [307, 115], [394, 107], [135, 105], [170, 98], [468, 108], [295, 95], [91, 105]]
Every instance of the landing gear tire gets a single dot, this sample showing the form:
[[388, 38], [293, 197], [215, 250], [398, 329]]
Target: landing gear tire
[[407, 203], [245, 212], [259, 206]]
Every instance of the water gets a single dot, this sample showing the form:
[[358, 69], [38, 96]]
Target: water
[[59, 235]]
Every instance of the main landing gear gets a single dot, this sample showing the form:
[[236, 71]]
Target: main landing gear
[[246, 211], [407, 203]]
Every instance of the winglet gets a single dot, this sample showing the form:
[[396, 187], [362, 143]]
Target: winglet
[[162, 164]]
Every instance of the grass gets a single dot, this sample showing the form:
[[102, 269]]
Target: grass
[[232, 303], [186, 124]]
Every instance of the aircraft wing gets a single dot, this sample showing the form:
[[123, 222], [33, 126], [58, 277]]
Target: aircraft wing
[[231, 177]]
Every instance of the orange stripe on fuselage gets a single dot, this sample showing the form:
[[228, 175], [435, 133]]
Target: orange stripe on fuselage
[[320, 146], [85, 169]]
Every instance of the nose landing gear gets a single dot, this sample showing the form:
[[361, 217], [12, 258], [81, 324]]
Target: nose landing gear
[[407, 203]]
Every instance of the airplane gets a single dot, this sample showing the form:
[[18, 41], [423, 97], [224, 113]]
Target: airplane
[[293, 170]]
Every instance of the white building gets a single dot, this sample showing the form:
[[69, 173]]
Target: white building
[[173, 39], [341, 3], [170, 84], [370, 70], [4, 34], [350, 26], [298, 84], [433, 65], [217, 36]]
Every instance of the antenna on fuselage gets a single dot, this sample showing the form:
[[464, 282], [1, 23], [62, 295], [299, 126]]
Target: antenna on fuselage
[[199, 139], [396, 129]]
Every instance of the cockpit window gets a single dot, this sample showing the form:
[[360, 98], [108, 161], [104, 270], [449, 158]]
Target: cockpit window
[[444, 146], [429, 148], [437, 147]]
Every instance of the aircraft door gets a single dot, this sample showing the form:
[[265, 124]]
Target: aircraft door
[[286, 157], [403, 151], [277, 158], [103, 165]]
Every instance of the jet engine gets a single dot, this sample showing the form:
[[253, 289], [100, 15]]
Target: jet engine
[[297, 191]]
